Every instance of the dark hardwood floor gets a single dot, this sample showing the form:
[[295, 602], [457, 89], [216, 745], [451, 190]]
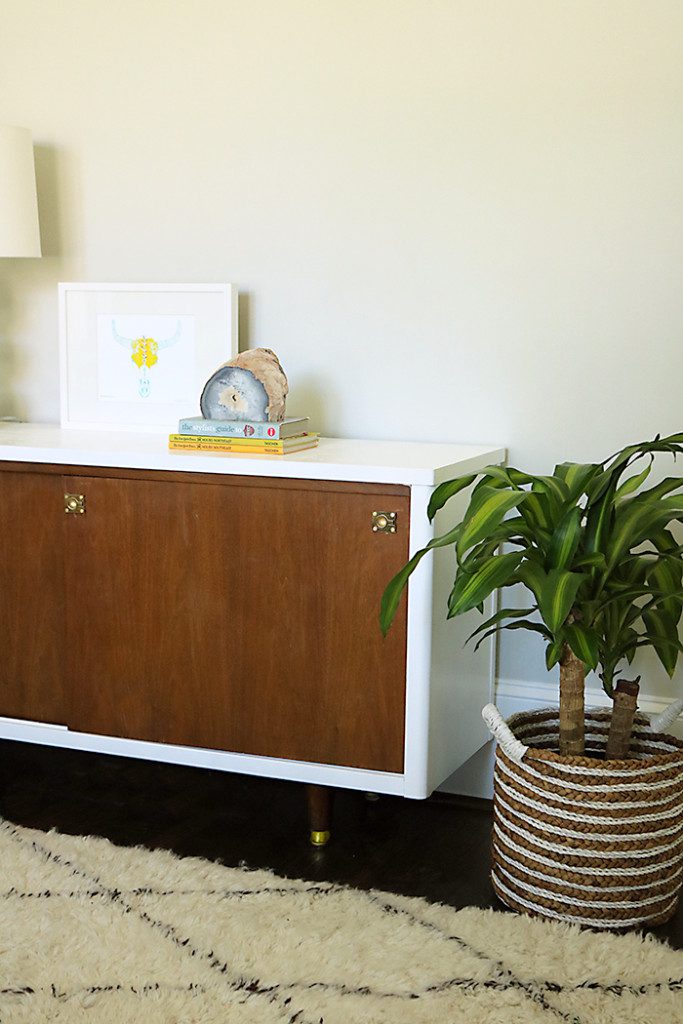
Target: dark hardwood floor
[[437, 848]]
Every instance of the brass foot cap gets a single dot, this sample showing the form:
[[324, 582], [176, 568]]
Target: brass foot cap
[[320, 838]]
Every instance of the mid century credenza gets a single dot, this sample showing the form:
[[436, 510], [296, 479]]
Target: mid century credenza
[[223, 611]]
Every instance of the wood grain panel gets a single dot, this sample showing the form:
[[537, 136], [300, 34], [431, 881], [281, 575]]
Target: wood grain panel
[[240, 615], [32, 682]]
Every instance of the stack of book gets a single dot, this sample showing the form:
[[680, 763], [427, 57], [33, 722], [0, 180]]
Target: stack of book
[[240, 437]]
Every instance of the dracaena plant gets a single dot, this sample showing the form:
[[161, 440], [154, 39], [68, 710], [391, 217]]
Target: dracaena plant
[[594, 549]]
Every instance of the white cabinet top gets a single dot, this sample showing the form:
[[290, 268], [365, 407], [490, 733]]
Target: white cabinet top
[[396, 462]]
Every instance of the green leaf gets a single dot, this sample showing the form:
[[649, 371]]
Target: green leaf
[[479, 554], [584, 642], [638, 521], [623, 596], [665, 601], [597, 560], [626, 644], [472, 588], [536, 511], [553, 652], [508, 476], [445, 491], [552, 496], [671, 504], [664, 541], [598, 487], [565, 539], [510, 531], [598, 522], [484, 489], [552, 486], [488, 481], [631, 526], [534, 627], [533, 576], [576, 476], [631, 571], [635, 611], [487, 516], [649, 639], [669, 484], [662, 634], [667, 575], [392, 594], [633, 482], [505, 613], [557, 597]]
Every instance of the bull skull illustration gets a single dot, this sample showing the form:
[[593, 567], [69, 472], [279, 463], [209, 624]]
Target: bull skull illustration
[[144, 353]]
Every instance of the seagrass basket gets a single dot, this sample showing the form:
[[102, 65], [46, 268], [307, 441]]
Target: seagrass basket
[[583, 839]]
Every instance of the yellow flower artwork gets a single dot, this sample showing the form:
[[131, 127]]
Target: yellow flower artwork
[[144, 352], [146, 358]]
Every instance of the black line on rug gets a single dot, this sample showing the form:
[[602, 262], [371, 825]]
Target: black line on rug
[[84, 990], [145, 890]]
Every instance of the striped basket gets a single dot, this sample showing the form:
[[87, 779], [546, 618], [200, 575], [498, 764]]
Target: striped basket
[[596, 842]]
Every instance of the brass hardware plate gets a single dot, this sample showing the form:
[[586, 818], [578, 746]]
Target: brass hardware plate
[[74, 503], [384, 522]]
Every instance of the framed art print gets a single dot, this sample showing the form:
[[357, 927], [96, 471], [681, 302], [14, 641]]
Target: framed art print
[[136, 356]]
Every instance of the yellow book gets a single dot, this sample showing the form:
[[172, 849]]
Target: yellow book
[[237, 446], [246, 442]]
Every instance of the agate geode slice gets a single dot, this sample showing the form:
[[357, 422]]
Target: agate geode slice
[[252, 386]]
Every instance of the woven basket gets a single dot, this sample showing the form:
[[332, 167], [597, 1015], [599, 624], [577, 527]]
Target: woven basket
[[591, 841]]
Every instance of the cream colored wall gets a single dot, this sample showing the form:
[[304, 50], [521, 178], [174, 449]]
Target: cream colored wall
[[456, 220]]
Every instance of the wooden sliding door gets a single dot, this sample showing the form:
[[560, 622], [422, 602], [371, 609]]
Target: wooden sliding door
[[237, 613], [33, 683]]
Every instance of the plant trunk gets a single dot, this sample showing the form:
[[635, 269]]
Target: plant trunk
[[572, 685], [625, 706]]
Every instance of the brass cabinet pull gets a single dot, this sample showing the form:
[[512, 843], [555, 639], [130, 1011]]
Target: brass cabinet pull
[[384, 522], [74, 503]]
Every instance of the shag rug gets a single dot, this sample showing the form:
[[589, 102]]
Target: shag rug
[[94, 932]]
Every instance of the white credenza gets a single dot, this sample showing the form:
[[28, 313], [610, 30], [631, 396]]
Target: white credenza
[[222, 611]]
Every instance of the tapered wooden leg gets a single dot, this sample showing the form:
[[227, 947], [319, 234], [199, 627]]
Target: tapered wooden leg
[[319, 813]]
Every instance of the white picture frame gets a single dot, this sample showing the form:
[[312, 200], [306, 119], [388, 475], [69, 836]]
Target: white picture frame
[[136, 356]]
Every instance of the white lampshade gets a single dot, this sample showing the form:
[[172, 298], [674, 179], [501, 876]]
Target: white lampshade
[[19, 232]]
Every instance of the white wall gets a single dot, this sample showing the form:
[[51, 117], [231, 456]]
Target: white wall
[[454, 219]]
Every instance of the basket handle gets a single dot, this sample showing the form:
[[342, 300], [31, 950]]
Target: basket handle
[[498, 728], [660, 723]]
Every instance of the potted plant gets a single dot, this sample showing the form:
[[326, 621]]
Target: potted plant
[[588, 807]]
